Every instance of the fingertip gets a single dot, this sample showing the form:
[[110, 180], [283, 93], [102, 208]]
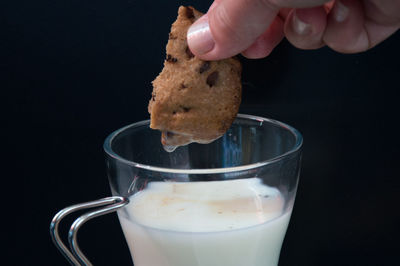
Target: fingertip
[[345, 31], [202, 43], [256, 51], [265, 44], [304, 27], [230, 28], [199, 37]]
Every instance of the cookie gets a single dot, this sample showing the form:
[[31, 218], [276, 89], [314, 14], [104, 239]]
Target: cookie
[[193, 100]]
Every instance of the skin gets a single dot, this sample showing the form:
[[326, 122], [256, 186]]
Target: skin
[[255, 27]]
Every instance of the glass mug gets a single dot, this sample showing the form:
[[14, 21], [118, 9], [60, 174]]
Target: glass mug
[[225, 203]]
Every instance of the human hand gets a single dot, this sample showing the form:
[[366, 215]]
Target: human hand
[[255, 27]]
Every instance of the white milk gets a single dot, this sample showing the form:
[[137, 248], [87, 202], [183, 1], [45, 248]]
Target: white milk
[[218, 223]]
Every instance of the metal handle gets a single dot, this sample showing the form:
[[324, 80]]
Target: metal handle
[[74, 255]]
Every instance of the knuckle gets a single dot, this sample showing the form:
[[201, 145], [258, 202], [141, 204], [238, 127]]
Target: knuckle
[[383, 12], [295, 3]]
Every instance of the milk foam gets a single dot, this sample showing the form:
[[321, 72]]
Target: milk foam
[[205, 206]]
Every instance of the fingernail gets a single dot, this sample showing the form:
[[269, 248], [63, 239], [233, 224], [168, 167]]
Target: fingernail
[[341, 12], [199, 36], [299, 26]]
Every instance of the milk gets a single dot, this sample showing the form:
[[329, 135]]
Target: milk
[[217, 223]]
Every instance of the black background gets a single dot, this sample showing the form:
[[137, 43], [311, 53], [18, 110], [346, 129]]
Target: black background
[[74, 71]]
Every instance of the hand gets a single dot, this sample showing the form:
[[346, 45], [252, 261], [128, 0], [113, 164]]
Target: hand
[[255, 27]]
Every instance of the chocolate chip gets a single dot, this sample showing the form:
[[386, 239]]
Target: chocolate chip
[[185, 109], [171, 36], [153, 97], [189, 53], [212, 78], [204, 67], [183, 86], [171, 59], [189, 13]]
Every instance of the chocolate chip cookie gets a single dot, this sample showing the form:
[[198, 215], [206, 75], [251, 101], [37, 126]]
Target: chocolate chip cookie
[[193, 100]]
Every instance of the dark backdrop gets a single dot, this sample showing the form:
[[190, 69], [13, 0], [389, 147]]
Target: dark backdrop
[[74, 71]]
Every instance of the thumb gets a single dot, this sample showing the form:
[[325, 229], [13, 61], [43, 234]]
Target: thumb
[[229, 27]]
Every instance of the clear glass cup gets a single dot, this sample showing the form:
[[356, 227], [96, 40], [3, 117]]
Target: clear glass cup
[[225, 203]]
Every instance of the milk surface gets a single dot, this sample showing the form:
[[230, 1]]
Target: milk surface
[[217, 223]]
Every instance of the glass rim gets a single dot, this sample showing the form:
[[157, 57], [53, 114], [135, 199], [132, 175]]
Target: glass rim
[[297, 146]]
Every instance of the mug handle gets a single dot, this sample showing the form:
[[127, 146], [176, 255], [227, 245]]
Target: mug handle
[[74, 255]]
